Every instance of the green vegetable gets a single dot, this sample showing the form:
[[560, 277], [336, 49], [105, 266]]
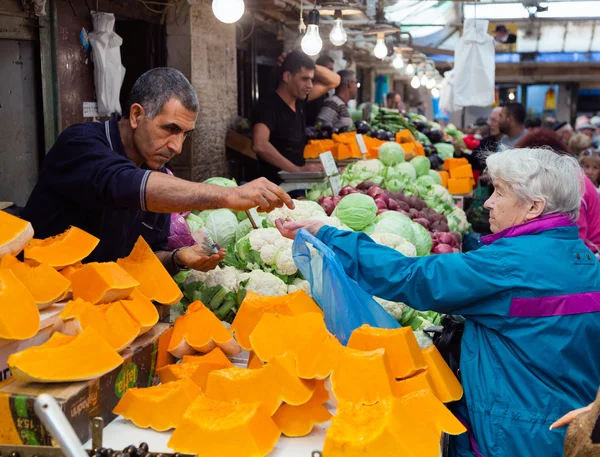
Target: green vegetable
[[223, 182], [221, 224], [357, 211], [391, 153], [437, 179], [194, 222], [408, 169], [421, 164], [422, 239], [398, 226], [444, 150]]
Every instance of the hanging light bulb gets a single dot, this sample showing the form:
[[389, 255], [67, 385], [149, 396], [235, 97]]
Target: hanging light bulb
[[228, 11], [398, 61], [410, 69], [338, 35], [312, 43], [381, 49], [430, 84], [415, 82], [435, 93], [424, 80]]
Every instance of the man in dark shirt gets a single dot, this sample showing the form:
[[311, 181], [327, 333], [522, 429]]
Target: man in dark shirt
[[109, 178], [313, 108], [487, 144], [278, 122]]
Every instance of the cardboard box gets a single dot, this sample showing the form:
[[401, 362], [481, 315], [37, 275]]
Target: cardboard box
[[81, 401], [240, 143]]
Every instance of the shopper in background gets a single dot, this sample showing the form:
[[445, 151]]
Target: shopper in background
[[564, 131], [530, 298], [588, 130], [580, 144], [591, 168], [511, 124], [487, 144], [534, 123], [278, 122], [393, 100], [589, 211], [314, 106], [595, 121], [335, 109]]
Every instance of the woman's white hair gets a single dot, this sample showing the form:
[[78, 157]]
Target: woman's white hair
[[540, 174]]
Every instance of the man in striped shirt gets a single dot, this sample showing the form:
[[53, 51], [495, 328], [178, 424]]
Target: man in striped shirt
[[335, 109]]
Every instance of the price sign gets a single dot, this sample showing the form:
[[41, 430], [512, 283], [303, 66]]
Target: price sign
[[328, 162], [336, 186], [362, 147]]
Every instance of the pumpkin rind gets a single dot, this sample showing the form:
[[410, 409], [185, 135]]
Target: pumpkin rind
[[15, 233], [19, 314], [155, 282], [199, 330], [444, 383], [87, 356], [216, 356], [46, 285], [197, 372], [400, 345], [142, 310], [159, 407], [62, 250], [212, 428], [102, 283]]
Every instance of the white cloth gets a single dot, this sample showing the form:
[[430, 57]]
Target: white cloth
[[474, 66], [108, 70], [447, 93]]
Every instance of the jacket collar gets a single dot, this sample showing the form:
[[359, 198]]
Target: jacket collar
[[540, 224]]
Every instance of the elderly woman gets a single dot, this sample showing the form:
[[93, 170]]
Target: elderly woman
[[530, 297]]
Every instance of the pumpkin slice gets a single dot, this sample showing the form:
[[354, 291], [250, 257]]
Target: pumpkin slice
[[15, 233], [200, 330], [197, 372], [254, 362], [102, 283], [299, 420], [426, 407], [212, 428], [159, 407], [46, 285], [409, 385], [304, 335], [444, 384], [400, 345], [321, 394], [155, 281], [62, 250], [142, 310], [19, 314], [362, 377], [112, 321], [87, 356], [216, 355], [68, 271], [254, 306]]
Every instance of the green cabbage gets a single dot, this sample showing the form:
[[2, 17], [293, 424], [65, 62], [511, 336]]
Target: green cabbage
[[444, 150], [397, 226], [393, 215], [422, 239], [395, 184], [421, 164], [391, 153], [194, 222], [426, 181], [407, 169], [437, 179], [223, 182], [357, 211], [221, 224], [245, 227]]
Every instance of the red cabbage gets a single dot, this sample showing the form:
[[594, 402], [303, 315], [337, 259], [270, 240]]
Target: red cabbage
[[442, 249], [180, 235]]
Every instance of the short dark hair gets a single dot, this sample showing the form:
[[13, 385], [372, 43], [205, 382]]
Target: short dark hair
[[156, 87], [296, 61], [345, 77], [324, 59], [516, 111], [501, 28], [391, 96], [533, 123]]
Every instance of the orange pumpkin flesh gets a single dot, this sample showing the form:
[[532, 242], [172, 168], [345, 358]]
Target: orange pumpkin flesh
[[200, 330], [197, 372], [426, 407], [46, 285], [212, 428], [160, 407], [406, 386], [400, 345], [68, 271], [84, 357], [295, 421], [444, 384], [155, 282], [19, 314], [255, 306], [102, 283], [254, 362], [62, 250], [15, 233], [142, 310], [216, 355]]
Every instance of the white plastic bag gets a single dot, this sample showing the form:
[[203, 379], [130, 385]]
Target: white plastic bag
[[474, 66], [108, 70], [447, 93]]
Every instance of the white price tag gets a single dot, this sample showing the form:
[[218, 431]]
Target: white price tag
[[328, 162], [90, 109], [362, 147], [336, 186]]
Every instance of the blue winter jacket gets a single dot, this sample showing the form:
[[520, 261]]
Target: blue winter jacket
[[531, 344]]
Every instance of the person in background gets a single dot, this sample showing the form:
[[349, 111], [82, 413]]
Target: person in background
[[530, 298], [511, 123], [588, 130], [589, 211], [580, 144], [564, 130], [591, 168], [393, 100], [503, 36], [487, 144], [595, 121], [534, 123], [278, 121], [314, 106], [335, 109]]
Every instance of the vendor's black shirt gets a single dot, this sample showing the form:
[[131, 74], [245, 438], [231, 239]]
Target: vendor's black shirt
[[87, 181], [287, 131]]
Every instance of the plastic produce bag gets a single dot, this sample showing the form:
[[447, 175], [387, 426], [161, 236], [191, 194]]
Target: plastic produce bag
[[345, 304], [474, 66]]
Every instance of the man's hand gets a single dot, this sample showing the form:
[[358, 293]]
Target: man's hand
[[260, 193], [311, 167], [289, 229], [195, 257]]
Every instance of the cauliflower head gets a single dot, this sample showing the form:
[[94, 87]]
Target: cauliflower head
[[395, 242], [299, 284], [394, 309], [274, 249], [304, 209], [264, 283], [228, 277]]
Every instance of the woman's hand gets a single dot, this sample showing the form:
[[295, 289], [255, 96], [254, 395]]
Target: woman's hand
[[289, 229], [570, 417]]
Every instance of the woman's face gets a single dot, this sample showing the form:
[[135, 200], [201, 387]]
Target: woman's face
[[592, 172], [506, 210]]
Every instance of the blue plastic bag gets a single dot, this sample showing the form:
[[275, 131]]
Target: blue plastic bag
[[345, 304]]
